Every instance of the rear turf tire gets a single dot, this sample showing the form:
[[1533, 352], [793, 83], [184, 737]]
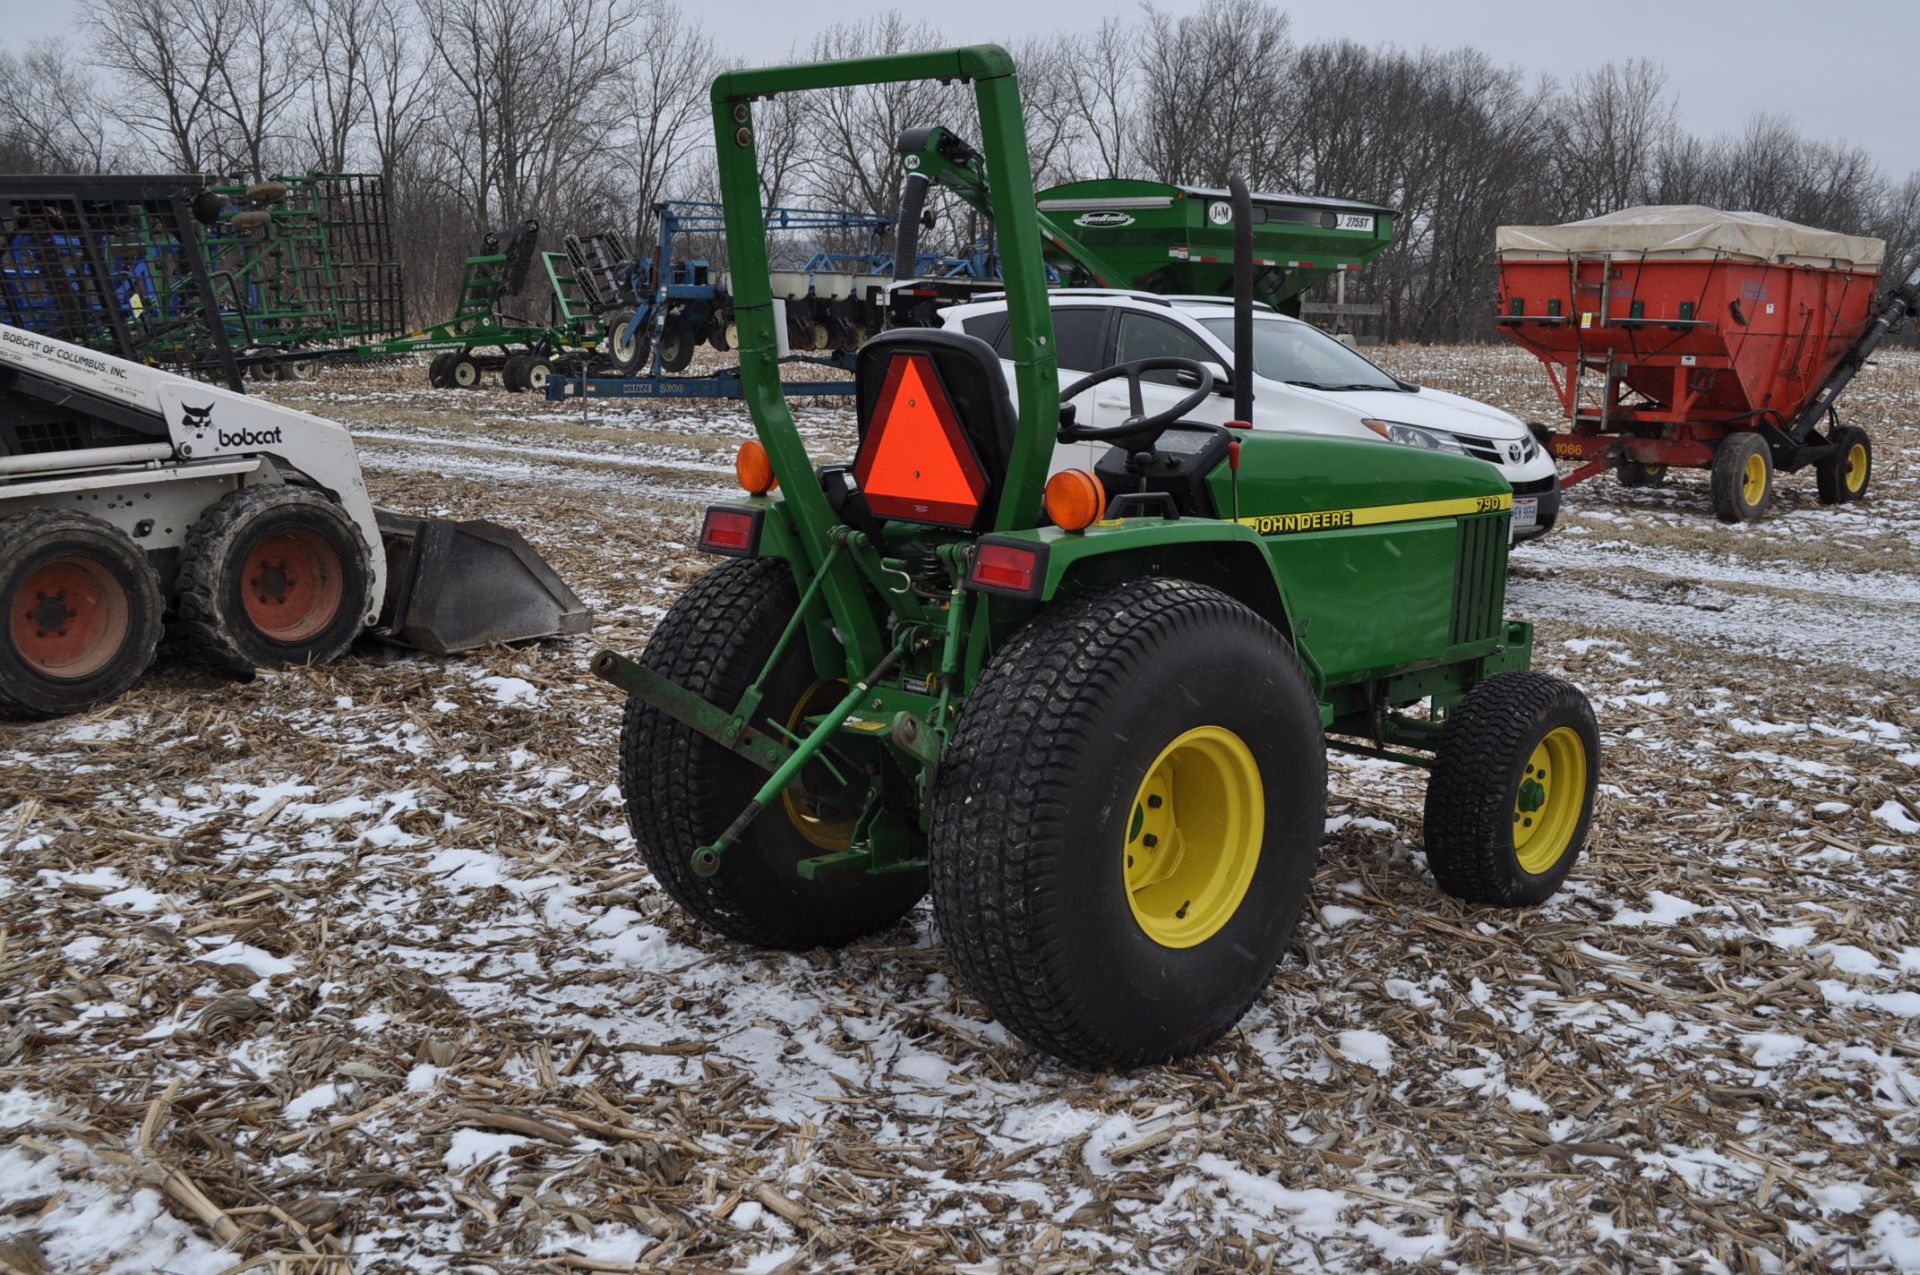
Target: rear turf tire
[[1510, 797], [1844, 474], [682, 789], [1041, 814], [273, 576], [1742, 482], [80, 613]]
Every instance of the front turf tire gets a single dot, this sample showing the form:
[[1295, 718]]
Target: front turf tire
[[1042, 797], [682, 789], [1510, 797]]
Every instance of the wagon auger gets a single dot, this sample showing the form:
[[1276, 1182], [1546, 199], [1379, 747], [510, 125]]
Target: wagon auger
[[1088, 713]]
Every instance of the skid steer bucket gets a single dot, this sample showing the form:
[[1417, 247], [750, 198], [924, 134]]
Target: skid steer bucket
[[453, 586]]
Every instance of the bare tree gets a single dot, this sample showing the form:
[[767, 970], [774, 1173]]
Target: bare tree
[[255, 72], [338, 95], [1101, 88], [1214, 84], [49, 108], [667, 115], [529, 90], [161, 55]]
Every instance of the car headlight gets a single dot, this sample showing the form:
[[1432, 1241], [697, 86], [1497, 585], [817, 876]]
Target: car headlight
[[1415, 436]]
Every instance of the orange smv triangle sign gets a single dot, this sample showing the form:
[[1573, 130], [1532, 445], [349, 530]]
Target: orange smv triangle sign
[[915, 463]]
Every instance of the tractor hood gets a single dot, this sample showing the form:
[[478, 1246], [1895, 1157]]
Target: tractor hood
[[1302, 482]]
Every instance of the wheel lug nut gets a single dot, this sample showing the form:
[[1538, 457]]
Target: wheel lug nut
[[1149, 841], [1154, 802]]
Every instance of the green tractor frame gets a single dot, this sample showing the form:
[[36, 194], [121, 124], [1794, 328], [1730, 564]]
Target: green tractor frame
[[1095, 730]]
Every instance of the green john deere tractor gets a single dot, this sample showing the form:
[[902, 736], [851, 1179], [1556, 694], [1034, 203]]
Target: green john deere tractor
[[1095, 728]]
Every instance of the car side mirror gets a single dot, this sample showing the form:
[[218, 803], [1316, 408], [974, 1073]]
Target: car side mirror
[[1222, 379]]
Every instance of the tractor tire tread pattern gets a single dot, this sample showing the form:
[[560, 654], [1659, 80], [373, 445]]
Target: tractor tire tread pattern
[[197, 587], [18, 532], [1019, 724], [1469, 809]]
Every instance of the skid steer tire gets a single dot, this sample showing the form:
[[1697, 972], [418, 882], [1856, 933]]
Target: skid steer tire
[[1742, 480], [273, 576], [1126, 822], [1510, 797], [82, 613], [1842, 476], [682, 789]]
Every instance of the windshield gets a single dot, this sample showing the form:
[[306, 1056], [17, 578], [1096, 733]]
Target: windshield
[[1302, 354]]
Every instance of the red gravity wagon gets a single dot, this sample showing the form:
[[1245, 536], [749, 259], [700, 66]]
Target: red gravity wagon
[[1690, 337]]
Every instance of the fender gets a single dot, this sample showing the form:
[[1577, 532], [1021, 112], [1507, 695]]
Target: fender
[[1227, 556]]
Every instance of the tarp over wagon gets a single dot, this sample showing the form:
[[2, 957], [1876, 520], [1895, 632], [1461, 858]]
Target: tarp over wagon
[[1694, 230]]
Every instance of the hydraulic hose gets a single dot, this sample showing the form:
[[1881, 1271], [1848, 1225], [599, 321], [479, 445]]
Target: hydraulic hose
[[906, 238]]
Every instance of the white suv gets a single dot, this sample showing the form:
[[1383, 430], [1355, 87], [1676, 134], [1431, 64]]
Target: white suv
[[1304, 381]]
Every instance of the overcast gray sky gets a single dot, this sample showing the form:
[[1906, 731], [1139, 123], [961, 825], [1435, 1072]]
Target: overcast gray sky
[[1851, 79]]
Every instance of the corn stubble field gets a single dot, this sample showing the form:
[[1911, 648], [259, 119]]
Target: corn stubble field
[[357, 968]]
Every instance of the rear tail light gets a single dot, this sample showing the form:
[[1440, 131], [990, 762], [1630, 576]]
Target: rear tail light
[[1012, 569], [730, 532]]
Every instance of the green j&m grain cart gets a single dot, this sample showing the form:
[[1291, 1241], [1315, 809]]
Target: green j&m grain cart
[[1090, 714]]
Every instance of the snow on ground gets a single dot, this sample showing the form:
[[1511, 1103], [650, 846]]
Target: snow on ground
[[360, 962]]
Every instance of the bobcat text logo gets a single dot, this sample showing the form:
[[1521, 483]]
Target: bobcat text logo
[[249, 437]]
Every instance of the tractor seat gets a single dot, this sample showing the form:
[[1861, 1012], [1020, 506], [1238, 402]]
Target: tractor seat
[[936, 428]]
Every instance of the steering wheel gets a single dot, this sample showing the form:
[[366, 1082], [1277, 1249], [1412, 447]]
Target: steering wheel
[[1140, 430]]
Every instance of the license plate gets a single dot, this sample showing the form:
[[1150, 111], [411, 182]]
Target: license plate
[[1526, 511]]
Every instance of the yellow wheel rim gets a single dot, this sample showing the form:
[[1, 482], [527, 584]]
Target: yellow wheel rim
[[1193, 837], [822, 826], [1546, 807], [1755, 486], [1856, 467]]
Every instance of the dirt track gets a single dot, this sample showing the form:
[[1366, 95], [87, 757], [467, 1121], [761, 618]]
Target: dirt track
[[365, 958]]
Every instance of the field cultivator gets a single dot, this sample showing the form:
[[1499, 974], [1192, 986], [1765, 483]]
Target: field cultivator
[[480, 337], [292, 267], [116, 264], [306, 263], [1688, 337], [1089, 714], [658, 311]]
